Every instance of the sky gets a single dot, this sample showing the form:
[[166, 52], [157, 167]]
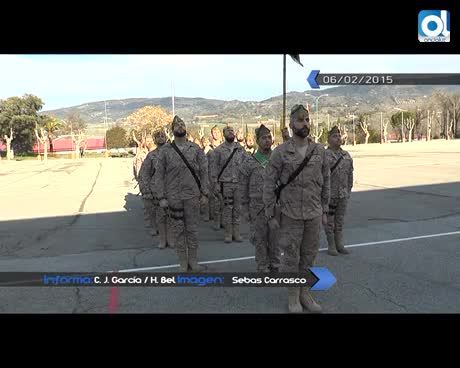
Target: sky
[[69, 80]]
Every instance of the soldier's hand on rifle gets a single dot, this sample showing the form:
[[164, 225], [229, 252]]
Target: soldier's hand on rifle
[[203, 200], [216, 190], [273, 224], [163, 203]]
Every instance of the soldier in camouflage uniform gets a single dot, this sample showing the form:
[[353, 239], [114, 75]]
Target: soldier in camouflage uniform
[[147, 182], [226, 186], [251, 185], [146, 196], [206, 147], [303, 203], [215, 205], [341, 165], [180, 194]]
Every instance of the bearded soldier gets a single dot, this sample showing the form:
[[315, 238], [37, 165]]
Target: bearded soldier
[[303, 202], [251, 185], [341, 165], [224, 175], [181, 184]]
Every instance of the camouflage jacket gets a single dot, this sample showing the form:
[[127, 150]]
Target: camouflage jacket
[[147, 174], [251, 181], [307, 196], [220, 156], [342, 177], [174, 179]]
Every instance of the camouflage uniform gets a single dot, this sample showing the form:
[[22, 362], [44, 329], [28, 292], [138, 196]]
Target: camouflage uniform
[[302, 202], [174, 182], [228, 186], [145, 176], [263, 239], [215, 204], [341, 185]]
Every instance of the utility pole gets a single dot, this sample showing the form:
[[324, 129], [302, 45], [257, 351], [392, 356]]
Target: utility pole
[[172, 88], [105, 126]]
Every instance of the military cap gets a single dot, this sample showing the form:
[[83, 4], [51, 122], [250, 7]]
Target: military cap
[[227, 128], [176, 120], [298, 107], [333, 130], [261, 131]]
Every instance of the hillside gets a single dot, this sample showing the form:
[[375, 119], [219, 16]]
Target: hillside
[[368, 98]]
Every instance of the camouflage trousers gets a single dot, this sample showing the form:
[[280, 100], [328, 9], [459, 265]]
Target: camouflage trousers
[[184, 216], [149, 212], [299, 243], [216, 207], [231, 204], [264, 240], [336, 217], [211, 205]]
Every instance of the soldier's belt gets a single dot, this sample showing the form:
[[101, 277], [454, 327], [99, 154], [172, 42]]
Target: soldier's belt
[[176, 213], [228, 201], [333, 210]]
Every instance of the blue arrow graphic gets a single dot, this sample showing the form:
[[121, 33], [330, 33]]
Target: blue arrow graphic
[[312, 79], [325, 278]]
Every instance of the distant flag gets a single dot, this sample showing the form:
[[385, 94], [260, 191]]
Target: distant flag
[[296, 58]]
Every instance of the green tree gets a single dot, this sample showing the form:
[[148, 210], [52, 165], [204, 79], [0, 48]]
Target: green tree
[[51, 125], [396, 121], [21, 115], [117, 137]]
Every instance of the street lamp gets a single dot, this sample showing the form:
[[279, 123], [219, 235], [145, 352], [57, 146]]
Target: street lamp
[[403, 139], [317, 106]]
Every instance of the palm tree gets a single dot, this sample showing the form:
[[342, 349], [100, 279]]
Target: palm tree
[[51, 125]]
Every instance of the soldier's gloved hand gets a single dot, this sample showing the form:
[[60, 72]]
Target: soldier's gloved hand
[[324, 219], [163, 203], [203, 200], [216, 191], [273, 224]]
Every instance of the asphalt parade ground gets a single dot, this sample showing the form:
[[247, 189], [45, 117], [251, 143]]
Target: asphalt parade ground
[[402, 227]]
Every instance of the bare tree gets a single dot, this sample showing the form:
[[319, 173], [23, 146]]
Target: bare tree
[[450, 131], [9, 153], [316, 132], [385, 130], [77, 140], [410, 124], [43, 139], [344, 134], [450, 106], [429, 124], [365, 127]]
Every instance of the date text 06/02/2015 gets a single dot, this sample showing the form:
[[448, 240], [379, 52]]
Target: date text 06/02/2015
[[356, 79]]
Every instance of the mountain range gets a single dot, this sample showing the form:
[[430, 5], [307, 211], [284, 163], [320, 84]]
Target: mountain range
[[340, 99]]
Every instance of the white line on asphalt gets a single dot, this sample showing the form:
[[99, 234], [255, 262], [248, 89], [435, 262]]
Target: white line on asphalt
[[321, 250]]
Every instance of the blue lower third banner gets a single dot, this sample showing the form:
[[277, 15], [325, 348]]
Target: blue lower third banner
[[316, 278]]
